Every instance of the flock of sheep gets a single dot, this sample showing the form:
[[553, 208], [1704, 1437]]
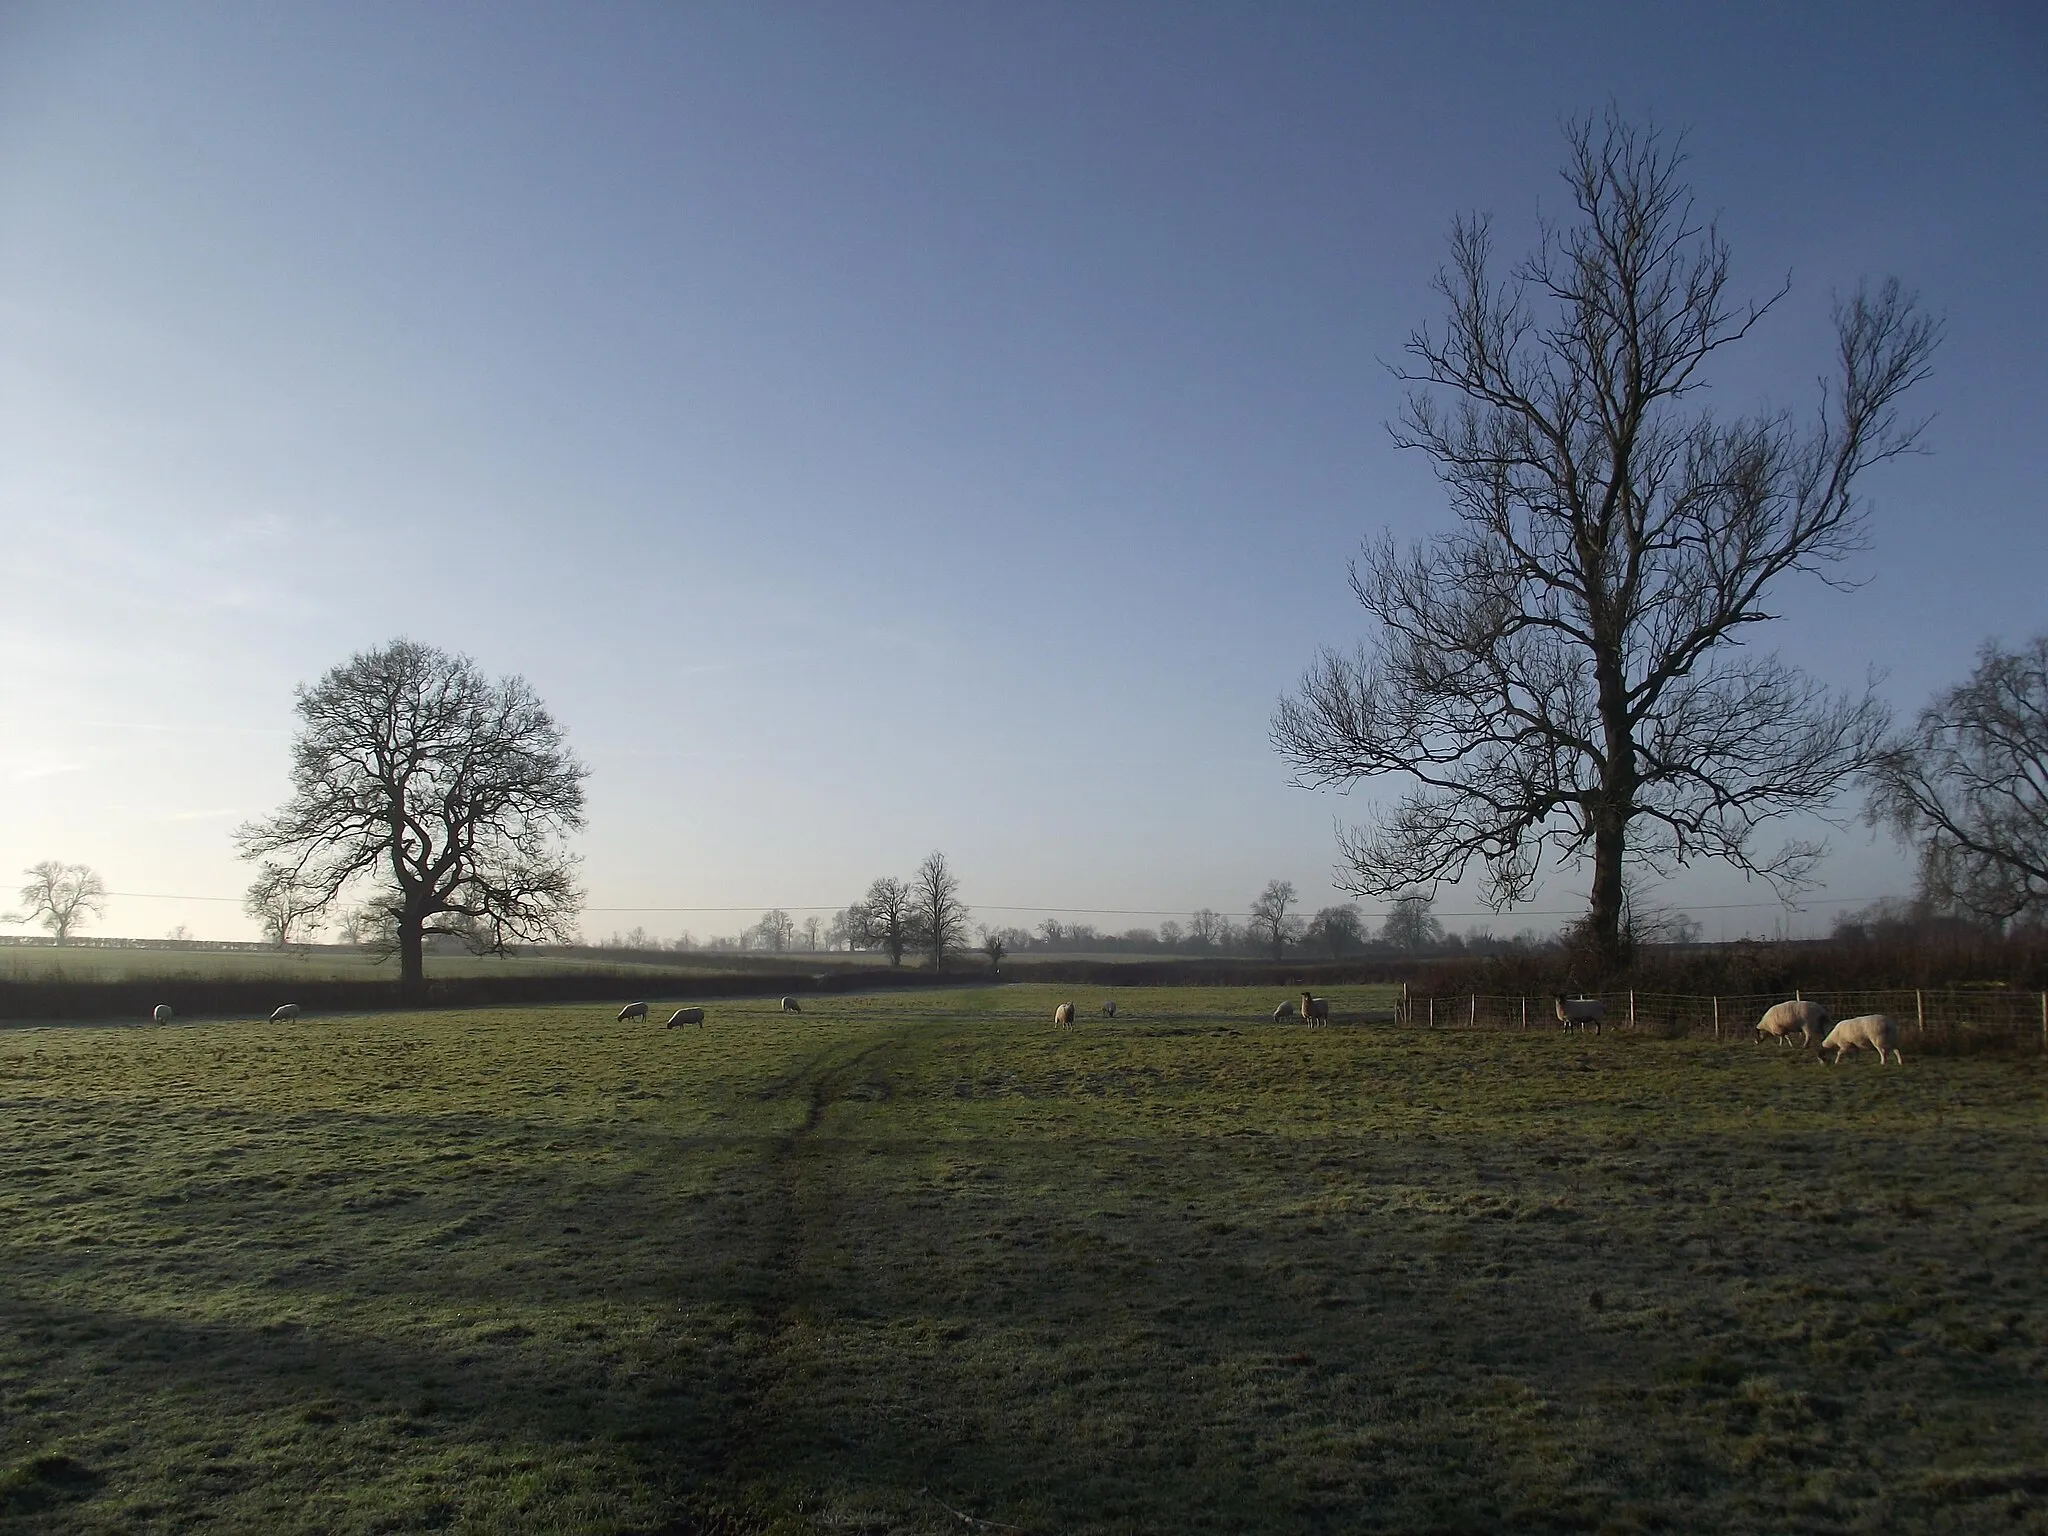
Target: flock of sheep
[[1781, 1021]]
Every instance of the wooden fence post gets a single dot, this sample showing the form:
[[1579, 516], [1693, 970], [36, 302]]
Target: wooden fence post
[[1432, 1010], [2044, 1021], [2044, 1015], [1472, 1018], [1919, 1012], [1717, 1018], [1631, 1007]]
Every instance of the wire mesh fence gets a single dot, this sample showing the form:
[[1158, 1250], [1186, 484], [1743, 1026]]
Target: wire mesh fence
[[1947, 1021]]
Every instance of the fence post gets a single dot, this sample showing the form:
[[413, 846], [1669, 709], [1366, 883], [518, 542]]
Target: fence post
[[1472, 1018], [2044, 1015], [1432, 1010], [1717, 1018], [2044, 1021], [1406, 1016], [1798, 996], [1919, 1012], [1631, 1007]]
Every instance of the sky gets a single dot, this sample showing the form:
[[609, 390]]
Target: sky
[[883, 427]]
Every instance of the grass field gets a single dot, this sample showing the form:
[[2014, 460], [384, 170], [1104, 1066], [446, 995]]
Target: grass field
[[913, 1255], [87, 964]]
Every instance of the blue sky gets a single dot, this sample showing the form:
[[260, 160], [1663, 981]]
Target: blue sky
[[884, 427]]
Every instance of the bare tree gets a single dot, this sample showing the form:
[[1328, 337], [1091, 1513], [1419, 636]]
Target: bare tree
[[1205, 928], [60, 896], [776, 929], [1970, 782], [1562, 676], [1170, 934], [283, 903], [812, 927], [849, 926], [1409, 926], [886, 912], [938, 916], [1270, 923], [1341, 928], [992, 945], [413, 772]]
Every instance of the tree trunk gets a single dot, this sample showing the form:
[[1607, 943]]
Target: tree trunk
[[412, 955], [1603, 920]]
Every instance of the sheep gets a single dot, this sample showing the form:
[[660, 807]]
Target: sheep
[[686, 1016], [1314, 1009], [161, 1013], [1064, 1014], [632, 1011], [789, 1005], [1782, 1021], [1577, 1013], [1109, 1009], [1875, 1030], [285, 1014], [1287, 1010]]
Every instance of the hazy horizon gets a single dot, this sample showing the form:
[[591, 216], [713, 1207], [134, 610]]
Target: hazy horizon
[[892, 427]]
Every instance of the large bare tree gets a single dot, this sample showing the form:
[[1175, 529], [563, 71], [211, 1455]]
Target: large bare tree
[[284, 903], [1969, 784], [886, 917], [60, 896], [938, 916], [1270, 922], [444, 793], [1561, 677]]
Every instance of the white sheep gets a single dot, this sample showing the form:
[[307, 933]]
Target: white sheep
[[161, 1013], [1873, 1030], [285, 1014], [1578, 1012], [789, 1005], [686, 1016], [1314, 1009], [1109, 1009], [1287, 1010], [1064, 1014], [1781, 1021], [632, 1011]]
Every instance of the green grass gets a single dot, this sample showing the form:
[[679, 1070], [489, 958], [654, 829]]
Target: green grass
[[82, 963], [519, 1270]]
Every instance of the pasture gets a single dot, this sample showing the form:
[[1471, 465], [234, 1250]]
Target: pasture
[[908, 1258], [83, 963]]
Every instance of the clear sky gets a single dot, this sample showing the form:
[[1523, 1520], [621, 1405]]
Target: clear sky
[[883, 427]]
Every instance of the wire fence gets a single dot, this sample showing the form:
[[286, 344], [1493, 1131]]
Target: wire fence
[[1948, 1021]]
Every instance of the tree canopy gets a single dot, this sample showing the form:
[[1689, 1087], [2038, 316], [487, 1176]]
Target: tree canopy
[[1562, 675], [440, 793], [1969, 783]]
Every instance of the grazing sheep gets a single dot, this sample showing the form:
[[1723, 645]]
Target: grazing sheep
[[162, 1013], [1874, 1030], [1109, 1009], [1314, 1010], [789, 1005], [1578, 1012], [632, 1011], [285, 1014], [1782, 1021], [1287, 1010], [1064, 1014], [686, 1016]]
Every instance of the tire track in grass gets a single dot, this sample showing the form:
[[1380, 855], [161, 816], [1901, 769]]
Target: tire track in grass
[[798, 1188]]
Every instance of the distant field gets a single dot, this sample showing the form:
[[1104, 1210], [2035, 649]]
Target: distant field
[[913, 1254], [336, 964]]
